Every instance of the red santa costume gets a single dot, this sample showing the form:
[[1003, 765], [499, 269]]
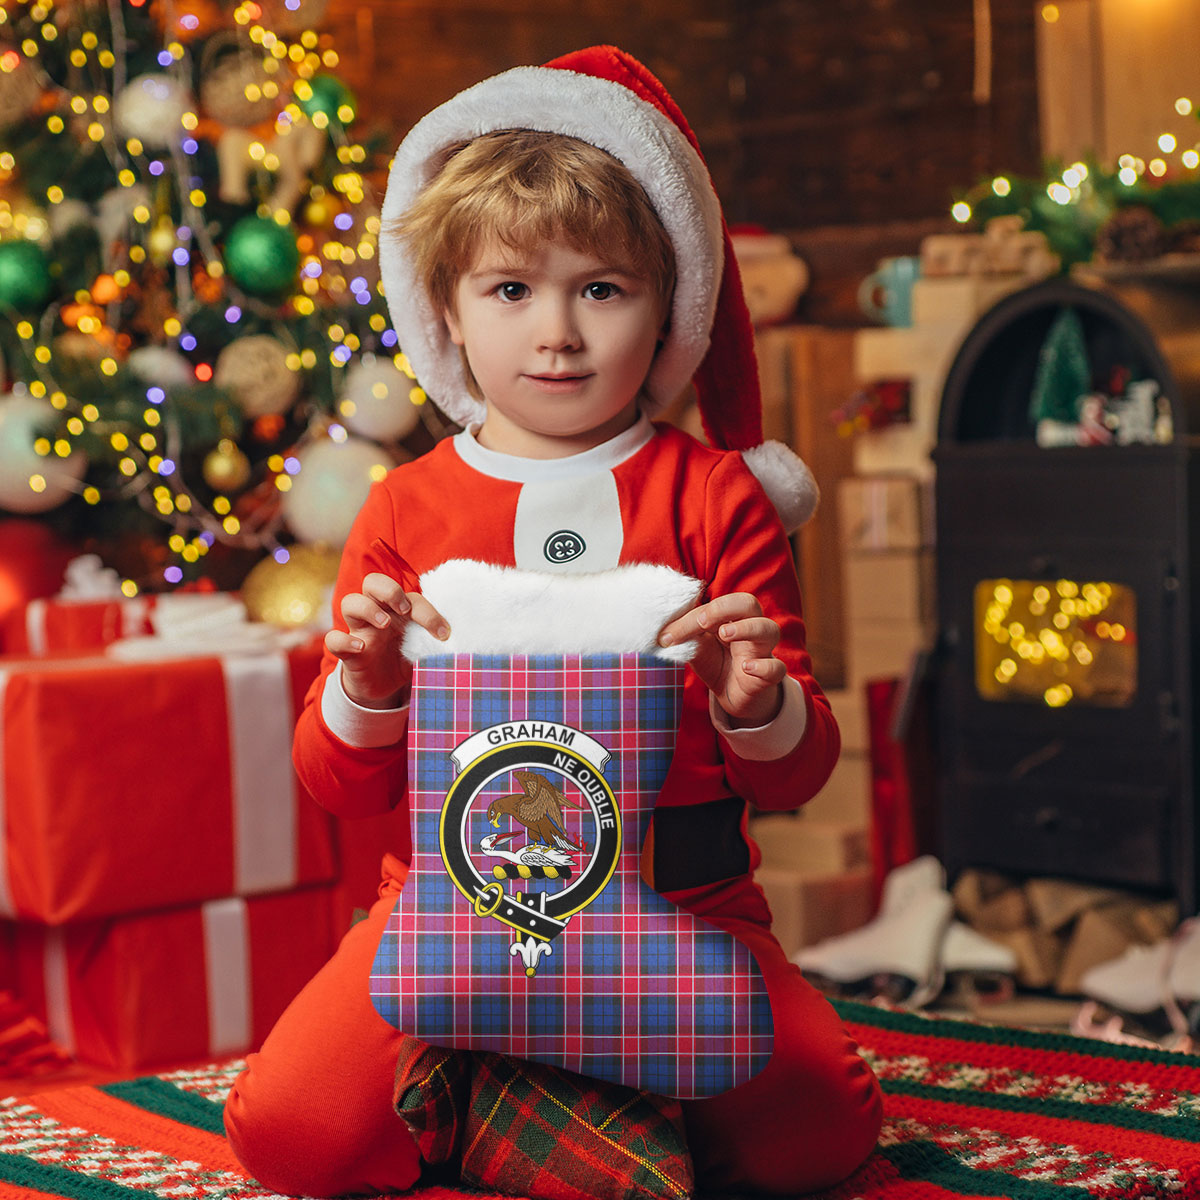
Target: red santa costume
[[313, 1112]]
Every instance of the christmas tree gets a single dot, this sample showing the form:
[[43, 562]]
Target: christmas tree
[[197, 359]]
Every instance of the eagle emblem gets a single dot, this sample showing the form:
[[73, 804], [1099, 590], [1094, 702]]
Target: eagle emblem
[[538, 806]]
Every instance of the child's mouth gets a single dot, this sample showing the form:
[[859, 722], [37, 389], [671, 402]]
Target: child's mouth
[[558, 383]]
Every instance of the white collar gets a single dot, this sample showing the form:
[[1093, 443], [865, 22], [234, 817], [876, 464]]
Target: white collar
[[514, 469]]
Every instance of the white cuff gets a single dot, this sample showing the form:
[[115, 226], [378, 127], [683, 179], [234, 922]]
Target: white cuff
[[778, 737], [356, 725]]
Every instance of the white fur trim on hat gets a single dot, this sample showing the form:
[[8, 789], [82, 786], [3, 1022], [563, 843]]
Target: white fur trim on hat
[[604, 114]]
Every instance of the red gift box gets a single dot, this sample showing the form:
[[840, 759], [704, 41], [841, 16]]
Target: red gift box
[[52, 625], [131, 786], [173, 987]]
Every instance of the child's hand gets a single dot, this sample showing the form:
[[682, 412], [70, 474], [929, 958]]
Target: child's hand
[[374, 672], [734, 656]]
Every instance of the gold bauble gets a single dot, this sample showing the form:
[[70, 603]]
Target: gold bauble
[[226, 468], [162, 242], [255, 370], [295, 593], [79, 347], [237, 89], [318, 213]]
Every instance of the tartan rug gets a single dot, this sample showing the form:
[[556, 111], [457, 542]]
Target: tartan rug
[[971, 1111]]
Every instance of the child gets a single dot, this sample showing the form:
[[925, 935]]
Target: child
[[557, 266]]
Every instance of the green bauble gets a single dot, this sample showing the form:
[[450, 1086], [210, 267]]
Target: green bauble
[[24, 275], [329, 95], [262, 255]]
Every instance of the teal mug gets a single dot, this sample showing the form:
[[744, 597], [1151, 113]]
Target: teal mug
[[886, 294]]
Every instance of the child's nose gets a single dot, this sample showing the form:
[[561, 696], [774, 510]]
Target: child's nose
[[558, 328]]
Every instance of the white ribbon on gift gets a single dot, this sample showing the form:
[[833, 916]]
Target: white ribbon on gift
[[258, 701], [227, 975], [35, 626], [56, 979], [227, 978]]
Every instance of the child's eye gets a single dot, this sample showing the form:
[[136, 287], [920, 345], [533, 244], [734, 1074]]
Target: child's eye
[[512, 291], [601, 291]]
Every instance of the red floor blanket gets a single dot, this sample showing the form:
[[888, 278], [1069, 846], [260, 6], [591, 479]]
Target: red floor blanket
[[972, 1110]]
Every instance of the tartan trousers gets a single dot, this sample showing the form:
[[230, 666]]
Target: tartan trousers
[[312, 1112]]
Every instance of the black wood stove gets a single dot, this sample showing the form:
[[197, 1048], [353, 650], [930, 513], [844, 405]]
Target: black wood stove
[[1068, 656]]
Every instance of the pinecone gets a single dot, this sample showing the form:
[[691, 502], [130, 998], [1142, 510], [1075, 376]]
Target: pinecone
[[1184, 238], [1132, 234]]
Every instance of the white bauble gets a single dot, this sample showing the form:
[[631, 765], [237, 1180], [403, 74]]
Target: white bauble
[[23, 419], [66, 215], [330, 488], [255, 370], [375, 401], [20, 90], [162, 366], [114, 215], [150, 108]]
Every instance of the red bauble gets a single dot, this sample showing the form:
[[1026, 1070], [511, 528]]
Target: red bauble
[[32, 560]]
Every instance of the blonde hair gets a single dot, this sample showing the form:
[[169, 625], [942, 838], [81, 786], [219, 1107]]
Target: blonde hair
[[521, 188]]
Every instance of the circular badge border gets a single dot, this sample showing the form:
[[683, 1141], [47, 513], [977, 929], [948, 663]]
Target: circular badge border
[[481, 766]]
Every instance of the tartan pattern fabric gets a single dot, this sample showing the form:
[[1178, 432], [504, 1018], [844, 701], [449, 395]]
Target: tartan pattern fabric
[[633, 990], [535, 1131], [530, 1130], [432, 1089]]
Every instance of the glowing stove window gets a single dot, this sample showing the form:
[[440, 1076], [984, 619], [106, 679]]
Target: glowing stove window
[[1056, 642]]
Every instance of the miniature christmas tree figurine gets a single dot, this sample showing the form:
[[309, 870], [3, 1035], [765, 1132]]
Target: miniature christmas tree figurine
[[1062, 381], [189, 299]]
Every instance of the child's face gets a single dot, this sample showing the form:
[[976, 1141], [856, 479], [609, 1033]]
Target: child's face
[[559, 342]]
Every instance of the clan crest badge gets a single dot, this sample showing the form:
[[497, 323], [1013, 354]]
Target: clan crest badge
[[530, 829]]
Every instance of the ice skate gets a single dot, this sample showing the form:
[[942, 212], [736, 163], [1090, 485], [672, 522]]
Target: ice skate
[[898, 953], [978, 965], [1153, 989]]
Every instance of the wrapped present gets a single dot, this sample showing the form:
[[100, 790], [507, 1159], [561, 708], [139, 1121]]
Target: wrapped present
[[884, 512], [88, 611], [129, 786], [139, 626], [52, 624], [172, 987]]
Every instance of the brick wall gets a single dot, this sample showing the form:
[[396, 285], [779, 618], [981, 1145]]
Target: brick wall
[[810, 113]]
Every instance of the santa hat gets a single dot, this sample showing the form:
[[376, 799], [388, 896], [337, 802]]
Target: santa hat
[[607, 98]]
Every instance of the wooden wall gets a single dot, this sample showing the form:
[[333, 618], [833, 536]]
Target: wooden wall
[[1110, 73], [810, 113]]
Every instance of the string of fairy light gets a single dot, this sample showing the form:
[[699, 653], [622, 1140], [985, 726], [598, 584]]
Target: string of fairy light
[[1069, 187], [333, 266]]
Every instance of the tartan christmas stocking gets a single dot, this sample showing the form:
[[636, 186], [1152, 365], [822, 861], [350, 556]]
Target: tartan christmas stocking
[[526, 928]]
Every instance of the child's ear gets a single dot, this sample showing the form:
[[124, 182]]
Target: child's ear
[[452, 327]]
